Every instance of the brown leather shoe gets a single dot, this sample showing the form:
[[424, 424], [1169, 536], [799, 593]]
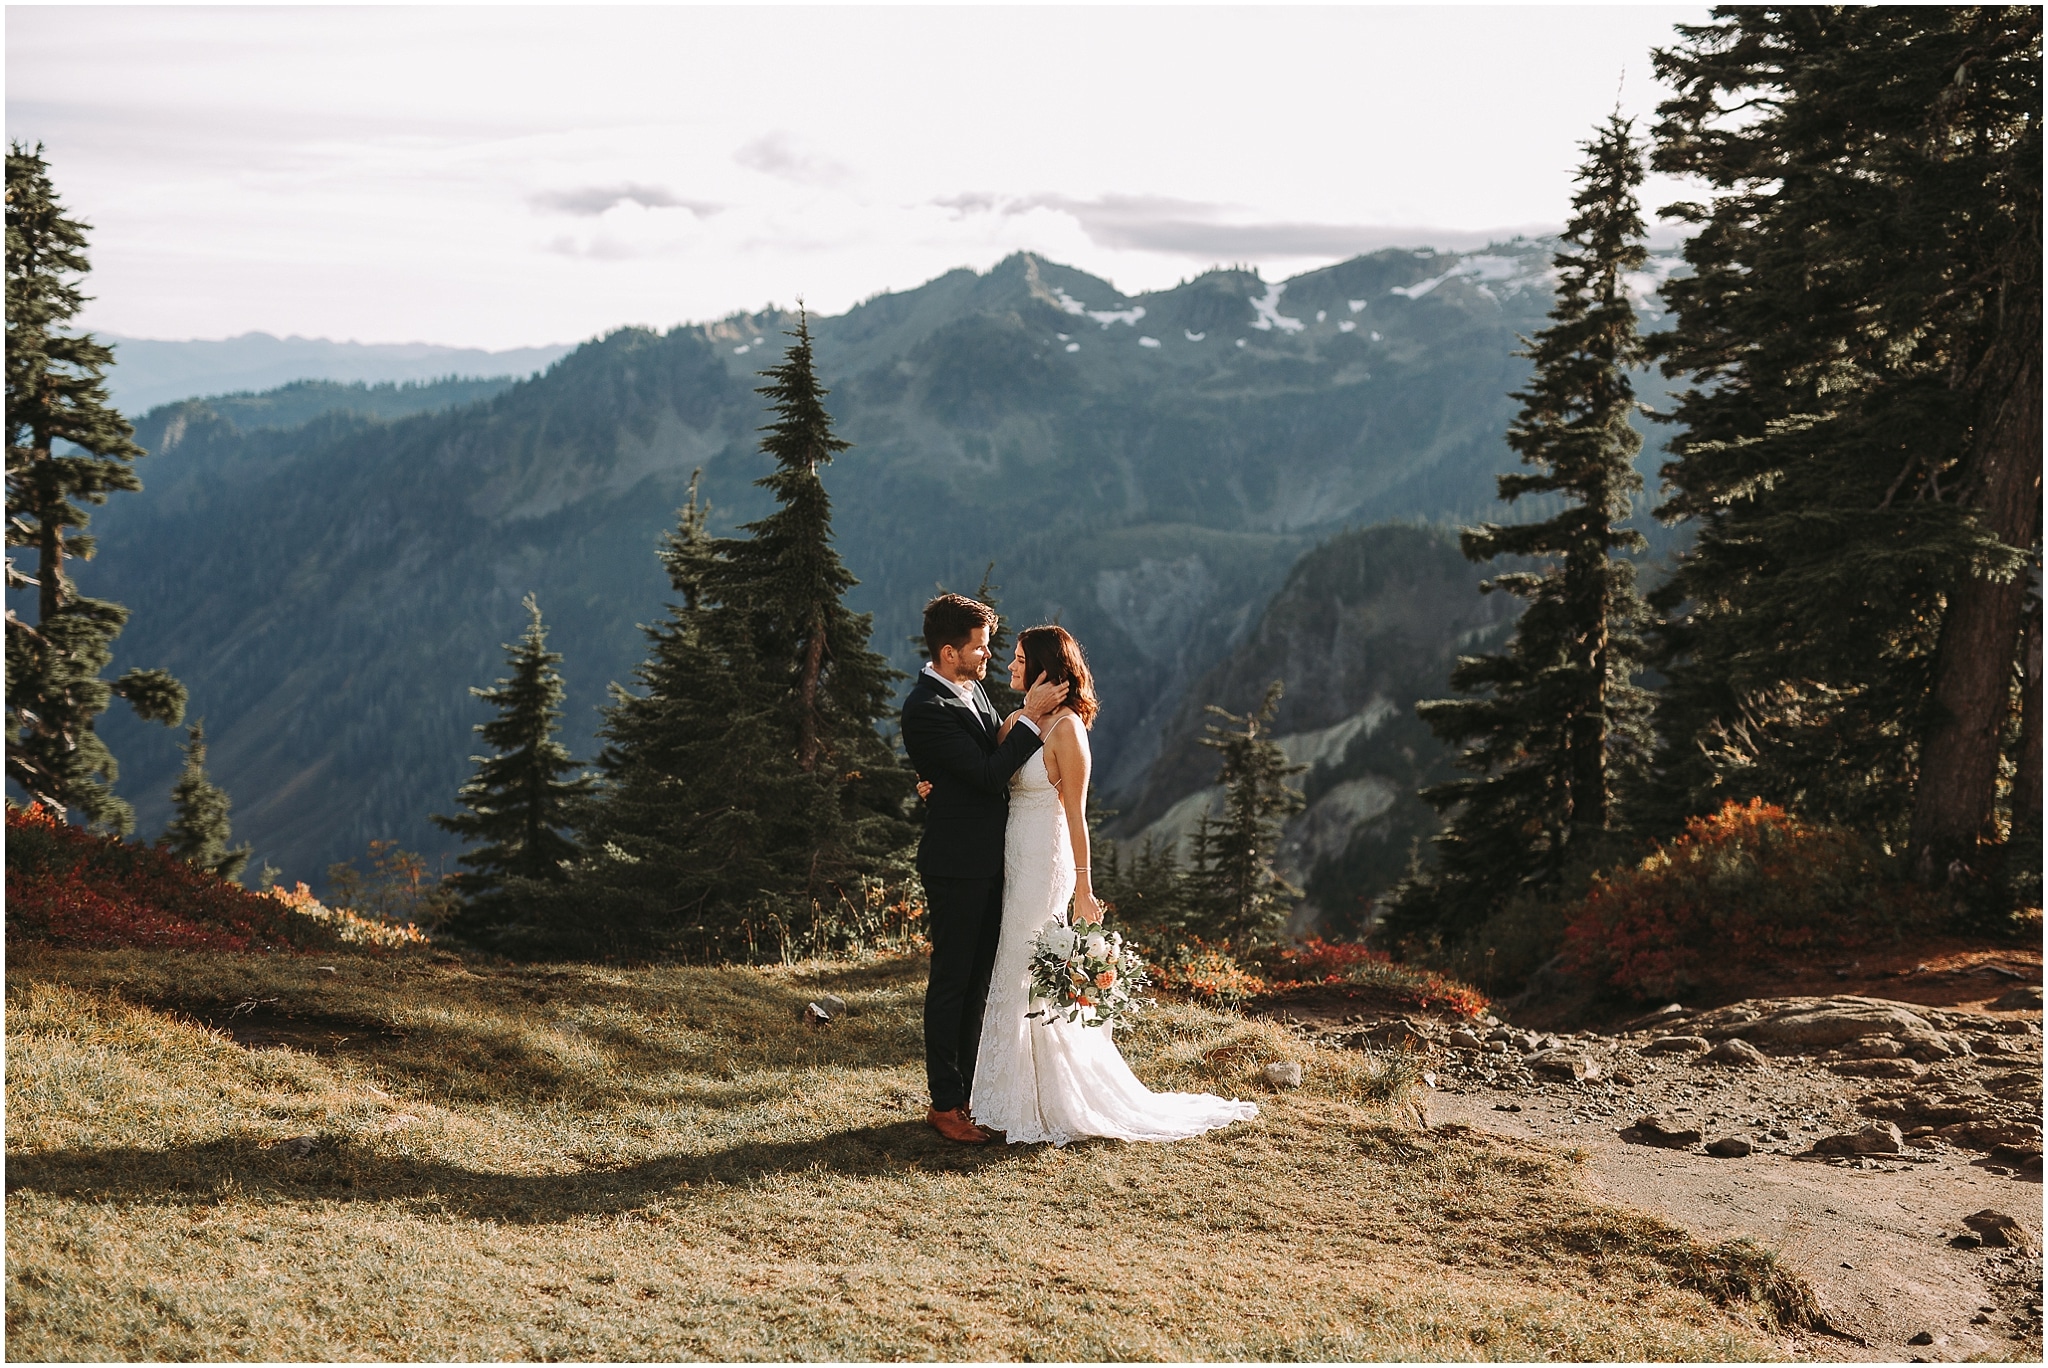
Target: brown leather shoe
[[956, 1126]]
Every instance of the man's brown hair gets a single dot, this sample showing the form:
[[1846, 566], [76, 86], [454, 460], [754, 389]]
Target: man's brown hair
[[950, 619]]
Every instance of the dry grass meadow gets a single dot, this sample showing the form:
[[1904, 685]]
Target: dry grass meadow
[[584, 1163]]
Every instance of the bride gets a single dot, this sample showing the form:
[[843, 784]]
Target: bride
[[1043, 1078]]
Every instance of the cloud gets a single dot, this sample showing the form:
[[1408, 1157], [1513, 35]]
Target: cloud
[[1191, 228], [591, 200], [778, 154]]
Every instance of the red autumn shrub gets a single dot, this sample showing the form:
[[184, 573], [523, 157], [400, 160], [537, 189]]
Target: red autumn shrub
[[1320, 962], [1749, 890], [68, 886]]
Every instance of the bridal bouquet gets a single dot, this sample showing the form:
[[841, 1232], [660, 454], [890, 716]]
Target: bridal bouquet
[[1084, 974]]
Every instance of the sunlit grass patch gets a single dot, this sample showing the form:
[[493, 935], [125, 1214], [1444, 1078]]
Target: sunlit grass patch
[[478, 1162]]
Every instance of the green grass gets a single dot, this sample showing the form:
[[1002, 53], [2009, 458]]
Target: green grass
[[590, 1163]]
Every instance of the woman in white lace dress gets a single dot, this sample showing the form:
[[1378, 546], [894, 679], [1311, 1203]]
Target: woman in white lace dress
[[1042, 1078]]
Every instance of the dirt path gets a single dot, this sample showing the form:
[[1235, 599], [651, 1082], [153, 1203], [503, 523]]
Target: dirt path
[[1882, 1236], [1873, 1242]]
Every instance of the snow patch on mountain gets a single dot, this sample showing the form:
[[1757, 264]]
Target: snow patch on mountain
[[1128, 317], [1268, 315], [1512, 273]]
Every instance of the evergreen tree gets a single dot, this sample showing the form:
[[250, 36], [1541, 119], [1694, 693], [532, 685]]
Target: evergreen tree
[[1004, 699], [199, 830], [747, 794], [1235, 893], [829, 692], [1860, 448], [65, 443], [1557, 721], [520, 796]]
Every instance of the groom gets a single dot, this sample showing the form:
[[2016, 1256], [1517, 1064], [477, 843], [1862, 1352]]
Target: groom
[[950, 729]]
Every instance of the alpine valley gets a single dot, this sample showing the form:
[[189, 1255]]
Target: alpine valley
[[330, 567]]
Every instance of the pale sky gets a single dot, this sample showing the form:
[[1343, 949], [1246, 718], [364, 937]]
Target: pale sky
[[498, 177]]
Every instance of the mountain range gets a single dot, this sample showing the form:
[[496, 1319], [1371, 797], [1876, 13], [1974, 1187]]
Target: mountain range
[[329, 570], [149, 372]]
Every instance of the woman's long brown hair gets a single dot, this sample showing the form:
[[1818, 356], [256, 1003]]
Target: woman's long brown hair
[[1053, 652]]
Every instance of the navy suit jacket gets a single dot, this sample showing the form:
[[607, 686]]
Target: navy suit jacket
[[952, 743]]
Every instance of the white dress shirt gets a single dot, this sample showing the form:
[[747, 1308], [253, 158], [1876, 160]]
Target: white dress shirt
[[965, 693]]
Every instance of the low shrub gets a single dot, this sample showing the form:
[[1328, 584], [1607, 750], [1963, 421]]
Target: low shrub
[[1318, 962], [71, 887], [1205, 973], [1739, 893], [1218, 974], [346, 924]]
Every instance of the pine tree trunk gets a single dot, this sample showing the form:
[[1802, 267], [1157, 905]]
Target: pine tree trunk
[[807, 696], [1980, 633], [50, 536], [1587, 737], [2026, 789]]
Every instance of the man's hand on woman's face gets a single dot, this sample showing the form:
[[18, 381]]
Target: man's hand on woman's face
[[1045, 695]]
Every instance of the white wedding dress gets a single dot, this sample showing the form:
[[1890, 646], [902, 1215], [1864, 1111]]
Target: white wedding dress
[[1043, 1079]]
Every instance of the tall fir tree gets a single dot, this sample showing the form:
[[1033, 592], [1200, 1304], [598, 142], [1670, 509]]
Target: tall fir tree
[[1004, 699], [65, 443], [1556, 724], [747, 794], [830, 692], [199, 831], [521, 796], [1233, 892], [1859, 453]]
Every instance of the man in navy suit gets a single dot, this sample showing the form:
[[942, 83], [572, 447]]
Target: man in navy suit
[[950, 729]]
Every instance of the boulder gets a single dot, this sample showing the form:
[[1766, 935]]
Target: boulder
[[2017, 1156], [1877, 1068], [2018, 1000], [1567, 1065], [1812, 1024], [1665, 1132], [1464, 1040], [1685, 1044], [1284, 1075], [1730, 1147], [1873, 1047], [1880, 1138], [1395, 1035], [1986, 1135], [1739, 1054], [1660, 1017], [2001, 1231], [1928, 1046]]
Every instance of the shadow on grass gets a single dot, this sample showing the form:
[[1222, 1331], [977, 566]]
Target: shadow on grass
[[341, 1170], [492, 1039]]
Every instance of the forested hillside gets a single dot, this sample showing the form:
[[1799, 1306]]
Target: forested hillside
[[1144, 469]]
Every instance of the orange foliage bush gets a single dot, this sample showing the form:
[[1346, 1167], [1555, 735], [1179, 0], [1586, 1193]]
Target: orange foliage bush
[[1206, 973], [1216, 974], [1317, 961], [1749, 889]]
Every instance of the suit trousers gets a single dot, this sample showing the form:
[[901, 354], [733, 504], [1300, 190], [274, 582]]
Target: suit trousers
[[966, 922]]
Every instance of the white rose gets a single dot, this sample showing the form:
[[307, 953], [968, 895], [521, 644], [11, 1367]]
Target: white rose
[[1098, 948]]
